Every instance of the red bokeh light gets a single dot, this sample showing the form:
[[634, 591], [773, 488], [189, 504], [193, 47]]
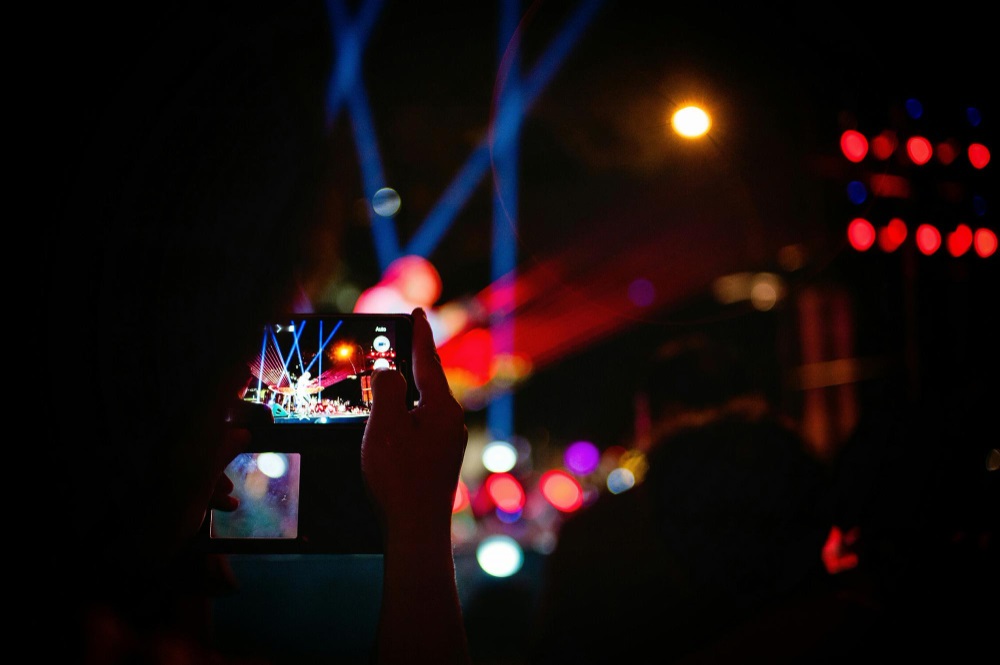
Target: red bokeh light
[[947, 151], [884, 145], [505, 491], [462, 499], [960, 240], [892, 235], [985, 242], [854, 145], [919, 149], [838, 555], [561, 490], [861, 234], [928, 239], [979, 155]]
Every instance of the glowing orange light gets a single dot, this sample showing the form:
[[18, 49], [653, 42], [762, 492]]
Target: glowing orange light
[[959, 240], [854, 145], [928, 239], [506, 492], [561, 490], [919, 149], [861, 234], [985, 242], [884, 145], [979, 155], [344, 351], [462, 499], [892, 235]]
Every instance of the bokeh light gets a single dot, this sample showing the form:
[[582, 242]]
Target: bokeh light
[[641, 292], [861, 234], [853, 145], [499, 456], [928, 239], [960, 240], [892, 235], [582, 457], [620, 480], [505, 491], [386, 202], [462, 500], [272, 465], [985, 242], [919, 150], [979, 155], [561, 489], [499, 556], [691, 122]]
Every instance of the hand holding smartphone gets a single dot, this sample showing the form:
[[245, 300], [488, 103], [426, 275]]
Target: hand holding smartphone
[[301, 489]]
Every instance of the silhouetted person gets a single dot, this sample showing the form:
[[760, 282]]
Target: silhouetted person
[[188, 186], [701, 559]]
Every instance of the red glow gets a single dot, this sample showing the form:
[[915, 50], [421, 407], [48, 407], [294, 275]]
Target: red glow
[[837, 554], [884, 145], [506, 492], [861, 234], [928, 239], [462, 499], [985, 242], [891, 236], [919, 149], [854, 145], [415, 278], [947, 151], [562, 490], [472, 351], [960, 240], [979, 155], [890, 186]]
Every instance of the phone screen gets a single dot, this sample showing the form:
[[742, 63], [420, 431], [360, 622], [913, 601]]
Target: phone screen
[[316, 369]]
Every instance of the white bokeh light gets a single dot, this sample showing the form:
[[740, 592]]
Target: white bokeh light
[[499, 556], [499, 456], [272, 465]]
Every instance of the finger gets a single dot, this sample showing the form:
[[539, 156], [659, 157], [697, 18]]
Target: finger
[[388, 401], [428, 374], [222, 498]]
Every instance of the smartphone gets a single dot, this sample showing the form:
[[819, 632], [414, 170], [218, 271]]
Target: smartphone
[[300, 486], [317, 369]]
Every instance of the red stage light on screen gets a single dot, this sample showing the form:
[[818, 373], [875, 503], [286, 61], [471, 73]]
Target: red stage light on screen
[[985, 242], [462, 499], [884, 145], [561, 490], [959, 240], [892, 235], [928, 239], [861, 234], [506, 492], [979, 155], [854, 145], [919, 149]]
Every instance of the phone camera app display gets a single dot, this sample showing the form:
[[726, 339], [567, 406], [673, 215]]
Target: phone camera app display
[[318, 370]]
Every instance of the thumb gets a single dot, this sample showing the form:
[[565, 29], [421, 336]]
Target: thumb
[[388, 402]]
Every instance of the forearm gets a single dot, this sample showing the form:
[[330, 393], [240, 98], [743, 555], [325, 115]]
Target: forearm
[[421, 617]]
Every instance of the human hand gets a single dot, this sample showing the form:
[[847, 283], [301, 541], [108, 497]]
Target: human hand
[[411, 458]]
